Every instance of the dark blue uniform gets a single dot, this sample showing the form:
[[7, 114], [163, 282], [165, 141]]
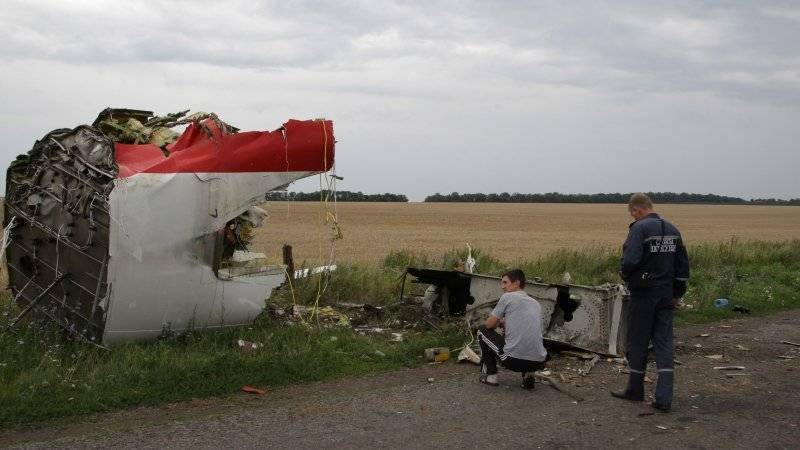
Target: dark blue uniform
[[656, 267]]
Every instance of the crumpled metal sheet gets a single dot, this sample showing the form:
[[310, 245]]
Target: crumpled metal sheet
[[208, 146], [58, 197]]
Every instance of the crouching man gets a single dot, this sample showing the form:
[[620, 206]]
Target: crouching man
[[521, 350]]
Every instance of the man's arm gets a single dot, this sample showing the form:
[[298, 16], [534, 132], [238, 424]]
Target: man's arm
[[631, 251], [681, 271], [496, 318], [493, 322]]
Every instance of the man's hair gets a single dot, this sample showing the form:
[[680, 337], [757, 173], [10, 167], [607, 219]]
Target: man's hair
[[515, 275], [640, 200]]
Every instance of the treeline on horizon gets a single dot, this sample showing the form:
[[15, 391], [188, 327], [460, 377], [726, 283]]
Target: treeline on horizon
[[556, 197], [341, 196], [516, 197]]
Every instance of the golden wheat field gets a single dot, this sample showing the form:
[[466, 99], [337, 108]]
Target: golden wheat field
[[510, 232]]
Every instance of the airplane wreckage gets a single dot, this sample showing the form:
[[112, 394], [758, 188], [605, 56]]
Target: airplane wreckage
[[121, 230], [127, 229], [586, 317]]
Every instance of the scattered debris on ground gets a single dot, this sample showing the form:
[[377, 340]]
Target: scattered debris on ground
[[558, 386], [729, 368], [437, 354], [252, 390], [467, 354], [247, 346]]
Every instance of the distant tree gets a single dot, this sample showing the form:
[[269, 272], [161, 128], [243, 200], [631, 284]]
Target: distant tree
[[556, 197], [342, 196]]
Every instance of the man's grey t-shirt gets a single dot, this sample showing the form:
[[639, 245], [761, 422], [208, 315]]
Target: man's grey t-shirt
[[523, 317]]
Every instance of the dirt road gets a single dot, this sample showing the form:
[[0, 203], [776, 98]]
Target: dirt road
[[405, 409]]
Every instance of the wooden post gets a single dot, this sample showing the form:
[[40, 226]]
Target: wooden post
[[288, 260]]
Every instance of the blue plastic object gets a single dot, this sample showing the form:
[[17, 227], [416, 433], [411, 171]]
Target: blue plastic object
[[722, 303]]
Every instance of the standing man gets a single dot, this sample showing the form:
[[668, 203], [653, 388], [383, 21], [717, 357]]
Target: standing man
[[656, 267], [522, 349]]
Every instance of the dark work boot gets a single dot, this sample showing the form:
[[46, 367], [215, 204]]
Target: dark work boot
[[664, 389], [635, 389], [660, 407], [528, 381], [623, 394]]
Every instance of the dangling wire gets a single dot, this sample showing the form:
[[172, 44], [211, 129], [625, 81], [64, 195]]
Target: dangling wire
[[327, 216], [327, 190], [7, 236]]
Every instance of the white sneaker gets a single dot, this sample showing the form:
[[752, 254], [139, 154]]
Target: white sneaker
[[491, 380]]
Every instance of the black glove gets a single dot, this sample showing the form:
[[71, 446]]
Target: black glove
[[678, 288]]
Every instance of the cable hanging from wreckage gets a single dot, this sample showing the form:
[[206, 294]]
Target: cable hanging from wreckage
[[117, 231]]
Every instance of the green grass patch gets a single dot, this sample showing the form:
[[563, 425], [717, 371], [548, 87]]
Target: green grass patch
[[42, 379], [763, 276]]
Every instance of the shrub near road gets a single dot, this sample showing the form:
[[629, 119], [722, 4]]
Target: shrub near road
[[40, 380]]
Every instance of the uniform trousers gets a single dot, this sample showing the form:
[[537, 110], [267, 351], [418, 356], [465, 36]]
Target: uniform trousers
[[650, 312]]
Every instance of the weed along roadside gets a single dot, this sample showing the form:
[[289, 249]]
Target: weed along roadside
[[42, 377], [44, 380]]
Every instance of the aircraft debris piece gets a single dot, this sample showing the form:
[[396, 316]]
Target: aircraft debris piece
[[579, 355], [253, 390], [467, 354], [248, 346], [558, 386], [127, 229], [734, 375], [589, 366], [586, 317], [437, 354]]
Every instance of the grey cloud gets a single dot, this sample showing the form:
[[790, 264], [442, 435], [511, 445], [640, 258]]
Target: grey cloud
[[454, 84], [604, 46]]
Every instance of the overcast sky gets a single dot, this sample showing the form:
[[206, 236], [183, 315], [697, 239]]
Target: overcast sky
[[441, 96]]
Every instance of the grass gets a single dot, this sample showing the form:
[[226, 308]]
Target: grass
[[41, 378], [763, 276]]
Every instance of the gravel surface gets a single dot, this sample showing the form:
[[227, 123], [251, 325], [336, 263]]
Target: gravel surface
[[445, 406]]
